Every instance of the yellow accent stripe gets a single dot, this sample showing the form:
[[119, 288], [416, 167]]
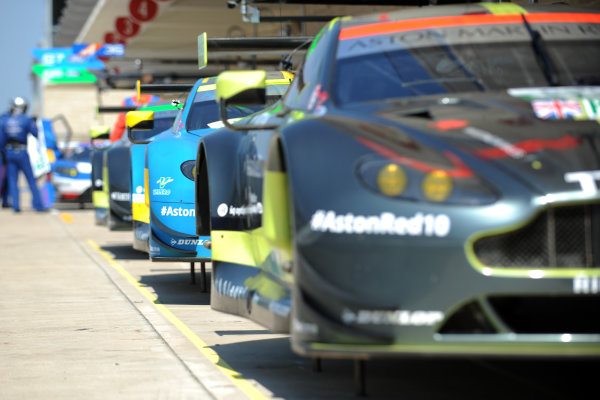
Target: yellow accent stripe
[[277, 81], [245, 248], [140, 212], [133, 118], [573, 348], [209, 353], [66, 217], [503, 8], [147, 187], [100, 199], [206, 88]]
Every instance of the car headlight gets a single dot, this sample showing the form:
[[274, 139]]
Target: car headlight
[[84, 167], [391, 179], [188, 169], [66, 171], [417, 181], [437, 185]]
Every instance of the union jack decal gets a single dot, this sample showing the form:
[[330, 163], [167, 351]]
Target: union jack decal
[[558, 109]]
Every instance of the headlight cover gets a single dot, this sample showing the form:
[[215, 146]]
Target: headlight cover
[[67, 171], [420, 182], [84, 167], [188, 169]]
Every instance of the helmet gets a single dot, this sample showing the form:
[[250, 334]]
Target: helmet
[[18, 105]]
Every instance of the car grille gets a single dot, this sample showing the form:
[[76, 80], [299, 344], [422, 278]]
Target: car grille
[[561, 237], [525, 314]]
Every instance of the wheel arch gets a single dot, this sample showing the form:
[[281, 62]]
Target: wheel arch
[[202, 193], [277, 203]]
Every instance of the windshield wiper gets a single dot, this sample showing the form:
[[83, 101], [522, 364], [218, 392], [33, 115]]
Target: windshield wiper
[[541, 54]]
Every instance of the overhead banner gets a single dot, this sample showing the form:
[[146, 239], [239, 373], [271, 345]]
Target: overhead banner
[[65, 57], [99, 49]]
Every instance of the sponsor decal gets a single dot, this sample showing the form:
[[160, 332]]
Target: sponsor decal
[[229, 289], [575, 102], [305, 328], [384, 224], [139, 190], [98, 182], [161, 191], [186, 242], [396, 317], [223, 210], [177, 211], [583, 284], [120, 196], [558, 109], [587, 180], [317, 97], [274, 307]]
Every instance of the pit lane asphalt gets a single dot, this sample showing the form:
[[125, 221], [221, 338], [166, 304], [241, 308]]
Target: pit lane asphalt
[[83, 315]]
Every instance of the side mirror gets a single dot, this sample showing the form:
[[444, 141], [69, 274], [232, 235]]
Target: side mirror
[[241, 88], [139, 124], [98, 132]]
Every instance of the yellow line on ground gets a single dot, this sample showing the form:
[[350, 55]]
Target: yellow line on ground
[[66, 217], [209, 353]]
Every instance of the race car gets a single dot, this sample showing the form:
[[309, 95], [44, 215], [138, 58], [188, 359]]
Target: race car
[[111, 178], [68, 179], [99, 197], [71, 175], [428, 185], [163, 117], [170, 160], [116, 173]]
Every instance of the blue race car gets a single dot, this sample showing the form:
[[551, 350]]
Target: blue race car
[[164, 115], [170, 161], [72, 175]]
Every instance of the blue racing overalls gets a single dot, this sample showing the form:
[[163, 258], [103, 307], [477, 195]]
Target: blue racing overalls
[[13, 140]]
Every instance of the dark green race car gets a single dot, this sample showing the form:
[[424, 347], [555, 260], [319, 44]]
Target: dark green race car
[[429, 184]]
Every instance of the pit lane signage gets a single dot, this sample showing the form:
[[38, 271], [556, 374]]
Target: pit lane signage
[[57, 75], [64, 57]]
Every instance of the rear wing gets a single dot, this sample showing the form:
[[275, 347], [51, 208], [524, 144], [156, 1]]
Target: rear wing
[[115, 109], [175, 88], [214, 48], [102, 132]]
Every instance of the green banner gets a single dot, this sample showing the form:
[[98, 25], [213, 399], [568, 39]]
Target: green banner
[[59, 75]]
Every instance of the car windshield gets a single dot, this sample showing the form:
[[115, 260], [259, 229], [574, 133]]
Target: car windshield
[[161, 124], [461, 59], [78, 154], [205, 114]]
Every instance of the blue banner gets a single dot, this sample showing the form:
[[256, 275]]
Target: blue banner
[[65, 58]]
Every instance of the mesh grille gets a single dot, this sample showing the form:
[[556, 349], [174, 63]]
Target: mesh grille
[[562, 237]]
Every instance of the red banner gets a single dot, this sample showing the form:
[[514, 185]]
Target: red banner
[[126, 27], [143, 10]]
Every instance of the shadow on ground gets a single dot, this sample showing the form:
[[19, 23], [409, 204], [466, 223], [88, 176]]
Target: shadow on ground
[[288, 375], [177, 288], [125, 252]]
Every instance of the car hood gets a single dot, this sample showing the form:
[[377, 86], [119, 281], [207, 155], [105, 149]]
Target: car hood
[[492, 135]]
